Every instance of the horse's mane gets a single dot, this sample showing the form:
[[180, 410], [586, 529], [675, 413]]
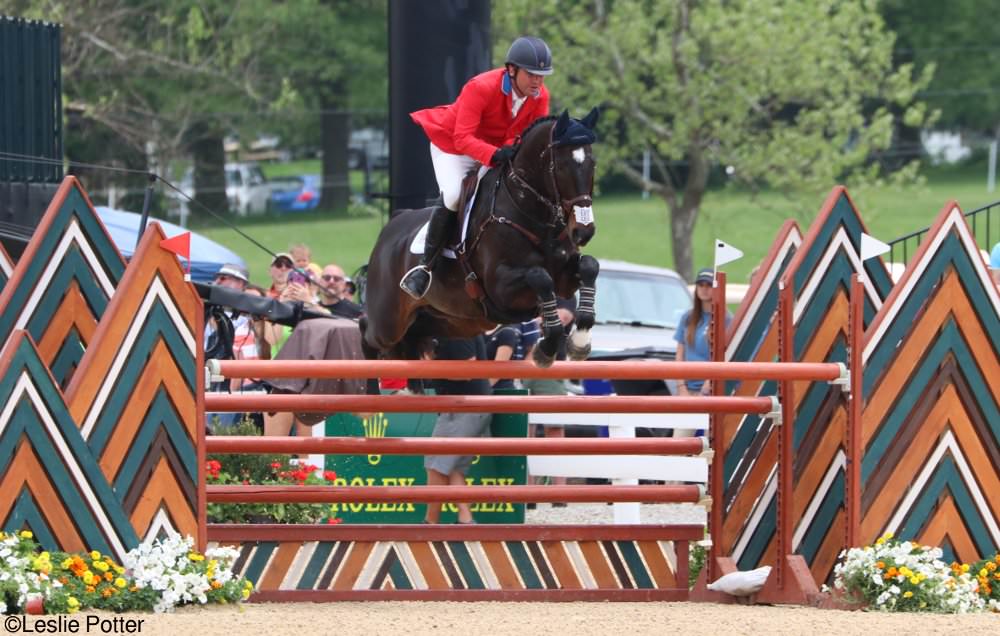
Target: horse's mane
[[534, 124]]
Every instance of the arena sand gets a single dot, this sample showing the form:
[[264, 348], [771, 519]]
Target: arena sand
[[528, 619]]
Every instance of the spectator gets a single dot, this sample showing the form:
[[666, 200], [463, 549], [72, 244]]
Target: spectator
[[692, 336], [301, 256], [240, 328], [350, 289], [566, 308], [451, 469], [502, 344], [995, 263], [332, 294], [281, 267]]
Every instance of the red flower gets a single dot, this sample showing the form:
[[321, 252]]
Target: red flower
[[329, 475], [275, 465]]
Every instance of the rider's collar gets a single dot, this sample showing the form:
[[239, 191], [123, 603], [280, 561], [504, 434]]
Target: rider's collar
[[505, 86]]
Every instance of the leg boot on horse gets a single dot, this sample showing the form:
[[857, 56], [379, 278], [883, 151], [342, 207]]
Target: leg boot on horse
[[417, 281]]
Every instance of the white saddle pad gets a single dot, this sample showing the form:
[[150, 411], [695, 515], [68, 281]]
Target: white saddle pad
[[417, 244]]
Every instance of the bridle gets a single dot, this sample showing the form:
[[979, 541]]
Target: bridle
[[558, 222]]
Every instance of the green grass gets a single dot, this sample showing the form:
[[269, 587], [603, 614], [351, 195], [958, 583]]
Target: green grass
[[630, 228]]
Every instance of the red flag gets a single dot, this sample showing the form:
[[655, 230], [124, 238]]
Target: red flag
[[180, 245]]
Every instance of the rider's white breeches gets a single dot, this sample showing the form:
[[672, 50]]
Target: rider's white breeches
[[449, 170]]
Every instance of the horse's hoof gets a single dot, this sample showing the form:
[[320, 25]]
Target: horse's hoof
[[578, 345], [541, 360]]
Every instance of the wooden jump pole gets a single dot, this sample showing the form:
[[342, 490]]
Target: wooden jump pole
[[464, 494], [238, 403], [462, 369], [492, 446]]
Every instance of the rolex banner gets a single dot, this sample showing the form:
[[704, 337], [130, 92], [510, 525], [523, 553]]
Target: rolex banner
[[408, 470]]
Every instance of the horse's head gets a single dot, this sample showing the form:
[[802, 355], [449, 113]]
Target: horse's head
[[557, 162]]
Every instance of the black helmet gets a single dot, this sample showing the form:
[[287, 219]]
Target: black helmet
[[531, 54]]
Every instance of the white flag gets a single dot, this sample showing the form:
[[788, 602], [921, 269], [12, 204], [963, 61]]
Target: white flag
[[872, 247], [725, 253]]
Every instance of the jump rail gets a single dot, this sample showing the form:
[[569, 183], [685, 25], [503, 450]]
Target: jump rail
[[460, 370], [469, 494], [239, 403], [456, 446]]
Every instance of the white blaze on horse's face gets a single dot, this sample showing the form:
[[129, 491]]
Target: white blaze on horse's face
[[579, 155]]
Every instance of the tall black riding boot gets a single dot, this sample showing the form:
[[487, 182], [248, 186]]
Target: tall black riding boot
[[417, 281]]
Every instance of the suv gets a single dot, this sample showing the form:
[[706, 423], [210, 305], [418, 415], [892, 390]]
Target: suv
[[638, 308], [247, 190]]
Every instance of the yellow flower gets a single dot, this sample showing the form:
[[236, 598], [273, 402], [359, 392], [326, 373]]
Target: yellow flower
[[100, 565], [879, 541], [983, 572], [905, 571], [120, 582], [88, 577], [914, 580], [119, 569], [965, 567], [907, 594], [194, 556], [72, 605], [95, 555], [66, 563], [26, 534]]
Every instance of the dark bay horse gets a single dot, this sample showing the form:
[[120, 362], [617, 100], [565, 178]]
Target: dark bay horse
[[522, 251]]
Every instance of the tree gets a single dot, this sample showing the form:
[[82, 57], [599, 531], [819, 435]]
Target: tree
[[334, 59], [785, 94], [963, 52]]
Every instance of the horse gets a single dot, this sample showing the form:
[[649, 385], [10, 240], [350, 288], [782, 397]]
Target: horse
[[522, 250]]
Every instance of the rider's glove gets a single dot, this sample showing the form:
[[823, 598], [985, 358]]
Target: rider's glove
[[502, 155]]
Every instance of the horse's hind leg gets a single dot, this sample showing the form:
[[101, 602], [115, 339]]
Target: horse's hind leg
[[578, 347], [552, 330]]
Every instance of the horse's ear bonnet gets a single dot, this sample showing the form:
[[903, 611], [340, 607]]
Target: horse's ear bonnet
[[575, 132]]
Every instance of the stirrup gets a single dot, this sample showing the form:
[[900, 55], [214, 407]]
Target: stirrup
[[407, 280]]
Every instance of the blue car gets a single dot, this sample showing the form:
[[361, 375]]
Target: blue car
[[295, 194]]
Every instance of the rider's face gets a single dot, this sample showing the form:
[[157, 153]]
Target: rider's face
[[528, 83]]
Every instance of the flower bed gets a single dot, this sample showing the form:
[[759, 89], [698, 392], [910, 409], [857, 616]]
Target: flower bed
[[157, 576], [903, 576], [263, 469]]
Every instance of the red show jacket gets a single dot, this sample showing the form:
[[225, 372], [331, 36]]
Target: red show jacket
[[480, 121]]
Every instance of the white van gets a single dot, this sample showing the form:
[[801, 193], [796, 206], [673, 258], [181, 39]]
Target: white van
[[247, 190]]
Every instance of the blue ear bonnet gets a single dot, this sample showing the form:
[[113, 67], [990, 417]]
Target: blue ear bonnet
[[575, 132]]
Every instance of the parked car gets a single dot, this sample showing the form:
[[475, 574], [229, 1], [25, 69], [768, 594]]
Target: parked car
[[295, 194], [247, 190], [638, 309]]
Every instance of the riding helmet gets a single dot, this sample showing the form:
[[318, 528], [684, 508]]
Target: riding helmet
[[532, 54]]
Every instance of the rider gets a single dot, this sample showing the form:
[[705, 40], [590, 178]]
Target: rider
[[479, 127]]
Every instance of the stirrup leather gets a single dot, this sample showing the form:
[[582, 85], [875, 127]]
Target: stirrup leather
[[416, 294]]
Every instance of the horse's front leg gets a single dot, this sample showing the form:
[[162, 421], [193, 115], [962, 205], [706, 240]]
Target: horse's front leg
[[578, 347], [552, 329]]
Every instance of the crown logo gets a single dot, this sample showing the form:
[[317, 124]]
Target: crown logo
[[375, 426]]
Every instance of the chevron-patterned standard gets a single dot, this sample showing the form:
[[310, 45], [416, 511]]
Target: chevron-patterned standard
[[6, 267], [750, 447], [119, 458], [931, 419], [61, 284]]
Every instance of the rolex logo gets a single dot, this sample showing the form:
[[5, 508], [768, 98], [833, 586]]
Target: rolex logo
[[375, 426]]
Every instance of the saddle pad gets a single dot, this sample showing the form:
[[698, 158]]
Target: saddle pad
[[417, 244]]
